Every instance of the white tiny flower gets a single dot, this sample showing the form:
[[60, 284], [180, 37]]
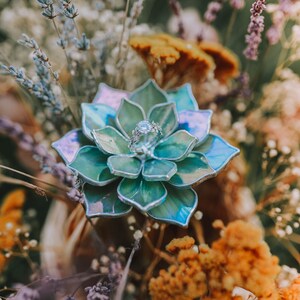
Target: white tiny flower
[[271, 144], [138, 235], [273, 153], [198, 215]]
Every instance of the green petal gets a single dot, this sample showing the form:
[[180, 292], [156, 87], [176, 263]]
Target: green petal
[[104, 201], [164, 115], [125, 166], [177, 208], [90, 163], [111, 141], [175, 147], [217, 151], [183, 98], [148, 95], [96, 116], [142, 194], [128, 116], [191, 170], [159, 170]]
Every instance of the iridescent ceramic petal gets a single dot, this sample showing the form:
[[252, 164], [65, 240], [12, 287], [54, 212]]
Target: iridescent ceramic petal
[[142, 194], [104, 201], [96, 116], [125, 166], [177, 208], [109, 96], [69, 144], [197, 123], [217, 151], [191, 170], [159, 170], [128, 116], [148, 95], [110, 141], [175, 147], [165, 116], [90, 163], [183, 98]]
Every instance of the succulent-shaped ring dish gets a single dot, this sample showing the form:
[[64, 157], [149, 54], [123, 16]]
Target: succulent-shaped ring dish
[[144, 149]]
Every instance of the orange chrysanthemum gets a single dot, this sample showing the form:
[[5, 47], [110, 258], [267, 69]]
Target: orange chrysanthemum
[[227, 64], [172, 61], [10, 220]]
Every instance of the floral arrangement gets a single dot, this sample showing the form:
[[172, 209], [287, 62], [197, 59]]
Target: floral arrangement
[[144, 161]]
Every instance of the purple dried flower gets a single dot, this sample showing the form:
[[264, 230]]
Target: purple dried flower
[[177, 10], [279, 17], [40, 153], [25, 293], [237, 4], [212, 10], [100, 291], [255, 28]]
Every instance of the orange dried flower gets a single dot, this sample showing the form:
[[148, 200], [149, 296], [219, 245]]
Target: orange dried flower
[[10, 220], [291, 292], [172, 61], [227, 63], [239, 258], [182, 243]]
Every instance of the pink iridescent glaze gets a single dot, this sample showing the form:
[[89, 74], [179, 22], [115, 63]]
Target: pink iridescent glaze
[[69, 144], [197, 123], [110, 96]]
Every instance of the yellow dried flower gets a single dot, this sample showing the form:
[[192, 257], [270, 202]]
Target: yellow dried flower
[[291, 292], [172, 61], [10, 220], [182, 243], [239, 258]]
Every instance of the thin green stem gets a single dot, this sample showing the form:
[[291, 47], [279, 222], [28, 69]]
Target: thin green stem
[[230, 26]]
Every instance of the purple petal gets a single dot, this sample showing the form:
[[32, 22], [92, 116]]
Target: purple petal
[[197, 123], [109, 96], [69, 144]]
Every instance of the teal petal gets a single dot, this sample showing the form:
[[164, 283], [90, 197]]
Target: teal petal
[[90, 163], [165, 116], [177, 208], [191, 170], [111, 141], [148, 95], [217, 151], [159, 170], [144, 195], [128, 116], [125, 166], [104, 201], [183, 98], [175, 147], [69, 144], [96, 116]]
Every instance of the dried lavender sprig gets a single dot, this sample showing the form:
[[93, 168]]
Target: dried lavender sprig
[[39, 89], [49, 11], [255, 28], [213, 9], [40, 153], [83, 43], [68, 9]]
